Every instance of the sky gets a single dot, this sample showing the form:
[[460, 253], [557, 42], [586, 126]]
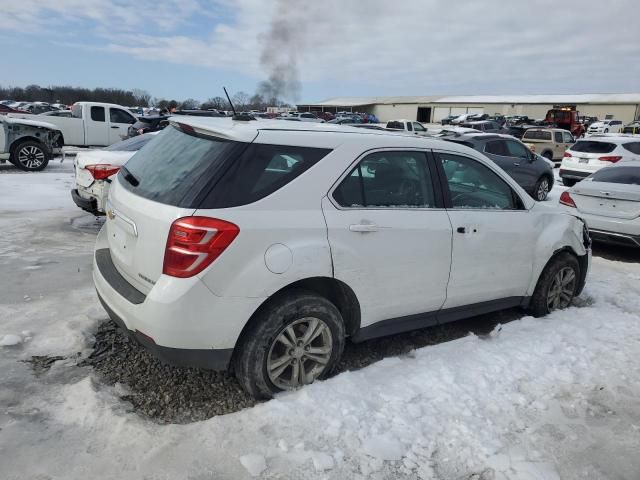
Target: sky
[[314, 50]]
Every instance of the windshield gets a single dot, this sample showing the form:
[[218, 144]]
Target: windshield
[[131, 144], [629, 175]]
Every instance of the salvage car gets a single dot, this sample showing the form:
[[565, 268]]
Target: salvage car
[[96, 169], [551, 143], [533, 173], [256, 246], [28, 144], [590, 154], [609, 201]]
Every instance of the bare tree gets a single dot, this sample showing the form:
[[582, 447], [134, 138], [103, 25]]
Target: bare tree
[[240, 100]]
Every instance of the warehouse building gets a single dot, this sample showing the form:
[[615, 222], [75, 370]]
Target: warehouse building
[[621, 106]]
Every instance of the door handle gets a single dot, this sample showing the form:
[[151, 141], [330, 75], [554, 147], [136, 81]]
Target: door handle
[[114, 126], [461, 230], [364, 227]]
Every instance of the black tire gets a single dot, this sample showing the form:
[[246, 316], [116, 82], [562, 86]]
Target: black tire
[[548, 155], [542, 188], [606, 130], [568, 182], [257, 343], [540, 300], [30, 156]]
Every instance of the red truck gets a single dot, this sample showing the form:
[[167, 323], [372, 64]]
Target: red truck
[[566, 118]]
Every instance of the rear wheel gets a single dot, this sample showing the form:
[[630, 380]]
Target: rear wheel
[[568, 182], [294, 341], [30, 156], [541, 190], [556, 286], [548, 155]]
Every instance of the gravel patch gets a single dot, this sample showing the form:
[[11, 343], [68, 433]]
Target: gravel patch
[[168, 394]]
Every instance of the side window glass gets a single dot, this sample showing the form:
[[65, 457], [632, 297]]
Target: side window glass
[[474, 186], [497, 147], [632, 147], [418, 127], [567, 137], [97, 114], [120, 116], [516, 149], [409, 127], [388, 179], [557, 137]]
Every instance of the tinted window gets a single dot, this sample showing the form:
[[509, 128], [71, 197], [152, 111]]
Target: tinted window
[[120, 116], [620, 174], [537, 135], [397, 125], [633, 147], [497, 147], [409, 127], [473, 185], [557, 137], [176, 167], [388, 179], [130, 145], [97, 114], [259, 171], [592, 146]]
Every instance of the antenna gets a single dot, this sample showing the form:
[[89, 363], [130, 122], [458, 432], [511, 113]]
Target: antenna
[[233, 109]]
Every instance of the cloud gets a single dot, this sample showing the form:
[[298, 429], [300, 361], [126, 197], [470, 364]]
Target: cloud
[[373, 47]]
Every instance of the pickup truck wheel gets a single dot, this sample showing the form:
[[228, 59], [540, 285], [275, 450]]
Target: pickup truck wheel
[[548, 155], [292, 342], [568, 182], [30, 156], [556, 286], [541, 190]]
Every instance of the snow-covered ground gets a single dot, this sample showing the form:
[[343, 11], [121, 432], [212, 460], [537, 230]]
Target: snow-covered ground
[[545, 399]]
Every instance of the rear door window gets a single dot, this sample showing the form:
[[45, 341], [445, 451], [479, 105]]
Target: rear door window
[[97, 114], [592, 146], [497, 147], [390, 179]]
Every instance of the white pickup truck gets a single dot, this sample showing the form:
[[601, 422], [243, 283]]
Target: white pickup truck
[[409, 126], [90, 124]]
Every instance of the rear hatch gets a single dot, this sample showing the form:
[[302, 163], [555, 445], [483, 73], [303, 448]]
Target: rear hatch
[[163, 182], [612, 200], [587, 154]]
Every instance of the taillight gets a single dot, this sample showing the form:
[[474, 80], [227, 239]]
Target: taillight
[[194, 243], [100, 172], [567, 154], [612, 159], [565, 199]]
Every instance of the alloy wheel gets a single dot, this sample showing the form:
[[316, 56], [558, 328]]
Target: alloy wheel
[[561, 289], [31, 157], [543, 190], [300, 353]]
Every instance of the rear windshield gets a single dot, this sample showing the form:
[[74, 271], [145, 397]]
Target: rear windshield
[[537, 135], [176, 167], [191, 171], [591, 146], [628, 175], [397, 125], [131, 144]]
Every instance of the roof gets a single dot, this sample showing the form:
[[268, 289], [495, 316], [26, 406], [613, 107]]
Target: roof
[[570, 99]]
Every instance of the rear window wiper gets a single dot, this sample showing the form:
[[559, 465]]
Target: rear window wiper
[[129, 177]]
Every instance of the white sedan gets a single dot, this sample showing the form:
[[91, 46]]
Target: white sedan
[[95, 169], [609, 201]]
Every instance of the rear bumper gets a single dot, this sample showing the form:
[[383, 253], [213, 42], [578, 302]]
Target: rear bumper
[[573, 174], [179, 320], [87, 204]]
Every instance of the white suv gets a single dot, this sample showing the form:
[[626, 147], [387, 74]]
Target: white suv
[[590, 154], [262, 246], [605, 126]]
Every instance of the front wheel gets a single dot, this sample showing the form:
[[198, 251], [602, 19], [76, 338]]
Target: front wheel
[[292, 342], [541, 190], [556, 286], [30, 156]]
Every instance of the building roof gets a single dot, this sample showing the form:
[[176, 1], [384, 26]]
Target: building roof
[[584, 98]]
